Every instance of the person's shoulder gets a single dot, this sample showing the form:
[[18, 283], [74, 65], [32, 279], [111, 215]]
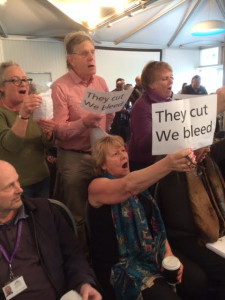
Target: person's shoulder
[[100, 82], [99, 79], [35, 203], [61, 80]]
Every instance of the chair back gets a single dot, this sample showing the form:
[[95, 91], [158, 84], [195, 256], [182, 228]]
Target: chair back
[[66, 213]]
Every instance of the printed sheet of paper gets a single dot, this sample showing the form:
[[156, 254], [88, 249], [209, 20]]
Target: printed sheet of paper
[[104, 102], [182, 124], [45, 110]]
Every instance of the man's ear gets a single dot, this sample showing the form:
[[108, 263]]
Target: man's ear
[[68, 59]]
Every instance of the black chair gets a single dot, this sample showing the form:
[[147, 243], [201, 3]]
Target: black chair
[[66, 213]]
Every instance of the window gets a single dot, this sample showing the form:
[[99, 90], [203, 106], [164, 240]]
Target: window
[[209, 57]]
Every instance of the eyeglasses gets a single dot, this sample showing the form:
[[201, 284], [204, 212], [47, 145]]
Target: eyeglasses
[[18, 81], [85, 53]]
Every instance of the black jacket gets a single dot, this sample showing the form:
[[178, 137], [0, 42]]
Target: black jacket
[[58, 248]]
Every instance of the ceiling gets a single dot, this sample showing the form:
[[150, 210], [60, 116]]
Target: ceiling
[[147, 24]]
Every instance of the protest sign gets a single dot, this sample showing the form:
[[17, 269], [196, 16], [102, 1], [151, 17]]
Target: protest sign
[[182, 124], [104, 102]]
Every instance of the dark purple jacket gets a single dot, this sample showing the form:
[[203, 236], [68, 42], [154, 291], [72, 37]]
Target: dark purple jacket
[[140, 146]]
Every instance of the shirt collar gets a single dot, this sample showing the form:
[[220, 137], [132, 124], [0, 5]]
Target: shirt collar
[[21, 214], [155, 97], [77, 79]]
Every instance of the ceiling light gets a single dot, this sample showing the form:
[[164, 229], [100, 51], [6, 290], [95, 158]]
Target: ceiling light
[[208, 28]]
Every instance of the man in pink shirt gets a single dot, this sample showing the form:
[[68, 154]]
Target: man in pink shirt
[[73, 125]]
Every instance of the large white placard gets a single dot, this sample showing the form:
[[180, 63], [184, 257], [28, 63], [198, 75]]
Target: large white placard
[[181, 124], [104, 102]]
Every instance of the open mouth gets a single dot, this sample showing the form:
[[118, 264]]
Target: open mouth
[[22, 92], [125, 165]]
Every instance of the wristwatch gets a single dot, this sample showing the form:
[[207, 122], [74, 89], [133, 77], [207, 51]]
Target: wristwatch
[[23, 118]]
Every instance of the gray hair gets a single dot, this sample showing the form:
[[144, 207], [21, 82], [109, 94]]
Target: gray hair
[[75, 38], [3, 67]]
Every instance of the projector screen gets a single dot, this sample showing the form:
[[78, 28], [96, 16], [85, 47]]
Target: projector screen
[[113, 63]]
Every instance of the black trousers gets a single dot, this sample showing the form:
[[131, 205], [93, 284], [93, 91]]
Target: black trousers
[[161, 290], [204, 271]]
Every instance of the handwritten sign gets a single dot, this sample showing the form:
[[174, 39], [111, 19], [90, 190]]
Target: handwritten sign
[[104, 102], [182, 124]]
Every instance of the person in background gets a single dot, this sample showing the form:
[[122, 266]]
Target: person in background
[[73, 125], [195, 88], [157, 81], [23, 141], [38, 246], [183, 87], [127, 235], [193, 210], [120, 125], [128, 86], [138, 90], [120, 83]]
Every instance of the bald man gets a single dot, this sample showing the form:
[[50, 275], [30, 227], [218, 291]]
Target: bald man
[[39, 254]]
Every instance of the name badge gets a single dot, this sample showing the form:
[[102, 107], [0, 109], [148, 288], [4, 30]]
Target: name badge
[[13, 288]]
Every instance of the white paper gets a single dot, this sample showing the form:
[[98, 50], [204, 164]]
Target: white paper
[[185, 96], [104, 102], [218, 247], [182, 124], [45, 110], [71, 295], [96, 134]]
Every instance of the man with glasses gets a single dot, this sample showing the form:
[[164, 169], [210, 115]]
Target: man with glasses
[[73, 125], [23, 141]]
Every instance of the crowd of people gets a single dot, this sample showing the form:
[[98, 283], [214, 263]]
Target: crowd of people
[[131, 209]]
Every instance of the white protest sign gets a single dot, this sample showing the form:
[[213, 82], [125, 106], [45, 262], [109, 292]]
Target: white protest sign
[[104, 102], [45, 110], [182, 124]]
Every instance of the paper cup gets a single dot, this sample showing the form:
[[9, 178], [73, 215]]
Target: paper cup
[[171, 265]]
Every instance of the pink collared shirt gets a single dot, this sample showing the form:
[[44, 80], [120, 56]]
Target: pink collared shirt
[[67, 93]]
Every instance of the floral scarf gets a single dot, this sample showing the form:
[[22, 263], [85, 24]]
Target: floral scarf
[[141, 249], [207, 194]]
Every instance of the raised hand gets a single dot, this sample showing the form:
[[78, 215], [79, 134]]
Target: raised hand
[[30, 103], [47, 126]]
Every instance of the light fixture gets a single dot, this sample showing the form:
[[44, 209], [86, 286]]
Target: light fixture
[[208, 28]]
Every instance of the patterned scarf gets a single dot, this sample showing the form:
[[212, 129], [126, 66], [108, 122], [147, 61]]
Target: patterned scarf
[[207, 198], [141, 249]]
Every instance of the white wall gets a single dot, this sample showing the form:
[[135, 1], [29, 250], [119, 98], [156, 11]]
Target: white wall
[[49, 56], [184, 63], [113, 64], [36, 55]]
